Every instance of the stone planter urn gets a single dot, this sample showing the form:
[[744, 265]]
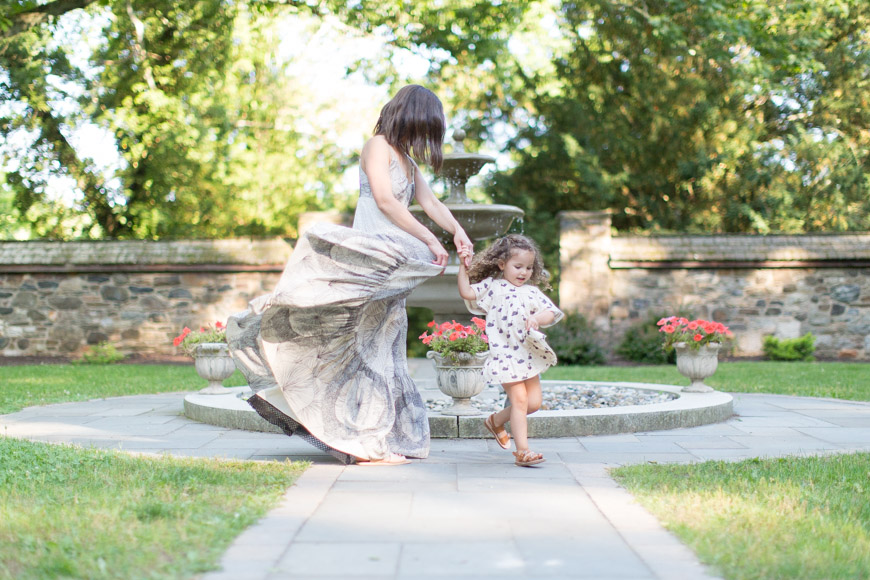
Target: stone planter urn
[[697, 364], [213, 363], [460, 379]]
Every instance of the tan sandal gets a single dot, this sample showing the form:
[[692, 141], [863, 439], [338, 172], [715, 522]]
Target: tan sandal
[[391, 459], [501, 436], [527, 458]]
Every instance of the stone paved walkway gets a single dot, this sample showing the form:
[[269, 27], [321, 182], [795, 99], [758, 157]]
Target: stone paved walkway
[[467, 511]]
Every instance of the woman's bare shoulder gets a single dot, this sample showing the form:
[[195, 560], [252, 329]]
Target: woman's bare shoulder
[[376, 150]]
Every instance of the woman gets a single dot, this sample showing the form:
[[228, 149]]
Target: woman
[[325, 352]]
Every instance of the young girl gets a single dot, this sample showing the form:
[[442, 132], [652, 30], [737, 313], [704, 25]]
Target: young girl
[[501, 283]]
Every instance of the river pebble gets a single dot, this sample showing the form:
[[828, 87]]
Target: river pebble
[[571, 397]]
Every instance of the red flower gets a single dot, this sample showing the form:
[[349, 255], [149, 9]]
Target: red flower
[[693, 325], [219, 325], [698, 337], [479, 322], [180, 338], [453, 336], [669, 328], [431, 324]]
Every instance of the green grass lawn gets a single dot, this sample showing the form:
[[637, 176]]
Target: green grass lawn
[[28, 385], [800, 518], [68, 512], [807, 379]]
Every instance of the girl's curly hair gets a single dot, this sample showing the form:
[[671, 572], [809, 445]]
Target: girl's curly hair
[[485, 264]]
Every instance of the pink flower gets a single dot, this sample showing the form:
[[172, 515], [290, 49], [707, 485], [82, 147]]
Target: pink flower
[[669, 328], [431, 324], [180, 338], [479, 322], [693, 325]]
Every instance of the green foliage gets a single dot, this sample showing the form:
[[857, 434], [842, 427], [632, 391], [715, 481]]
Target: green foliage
[[642, 343], [713, 116], [100, 354], [189, 339], [697, 116], [790, 349], [574, 341], [418, 318], [454, 340]]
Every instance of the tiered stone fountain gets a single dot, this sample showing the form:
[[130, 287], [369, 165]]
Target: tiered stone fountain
[[480, 221]]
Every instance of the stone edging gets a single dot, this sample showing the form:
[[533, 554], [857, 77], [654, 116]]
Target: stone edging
[[687, 410]]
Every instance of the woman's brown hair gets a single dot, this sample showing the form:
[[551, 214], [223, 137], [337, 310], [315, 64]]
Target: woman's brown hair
[[413, 122]]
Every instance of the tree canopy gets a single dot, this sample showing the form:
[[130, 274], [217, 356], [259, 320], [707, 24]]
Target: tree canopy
[[701, 116]]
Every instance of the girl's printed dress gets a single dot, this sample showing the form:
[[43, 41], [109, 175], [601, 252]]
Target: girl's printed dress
[[324, 353], [515, 354]]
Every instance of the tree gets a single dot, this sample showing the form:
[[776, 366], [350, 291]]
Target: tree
[[700, 116]]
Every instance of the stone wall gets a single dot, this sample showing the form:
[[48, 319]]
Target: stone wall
[[781, 285], [56, 298]]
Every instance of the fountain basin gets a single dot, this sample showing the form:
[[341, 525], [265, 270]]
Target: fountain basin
[[685, 410], [480, 221]]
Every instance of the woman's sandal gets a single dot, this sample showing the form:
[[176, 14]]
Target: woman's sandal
[[501, 436], [526, 458], [392, 459]]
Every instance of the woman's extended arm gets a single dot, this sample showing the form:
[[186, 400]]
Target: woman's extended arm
[[441, 215], [375, 161]]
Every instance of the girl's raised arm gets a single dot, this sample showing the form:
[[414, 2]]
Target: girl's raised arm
[[465, 289]]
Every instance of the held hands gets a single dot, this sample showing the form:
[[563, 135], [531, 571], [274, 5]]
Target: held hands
[[465, 258], [464, 246]]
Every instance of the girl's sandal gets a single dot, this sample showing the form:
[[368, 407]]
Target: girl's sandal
[[526, 458], [501, 436]]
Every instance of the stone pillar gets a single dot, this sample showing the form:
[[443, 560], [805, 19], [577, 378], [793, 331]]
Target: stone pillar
[[584, 258]]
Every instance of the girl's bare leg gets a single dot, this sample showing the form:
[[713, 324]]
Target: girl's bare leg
[[535, 397], [525, 398], [533, 393], [518, 410]]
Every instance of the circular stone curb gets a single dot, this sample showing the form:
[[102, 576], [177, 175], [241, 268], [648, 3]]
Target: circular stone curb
[[687, 410]]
